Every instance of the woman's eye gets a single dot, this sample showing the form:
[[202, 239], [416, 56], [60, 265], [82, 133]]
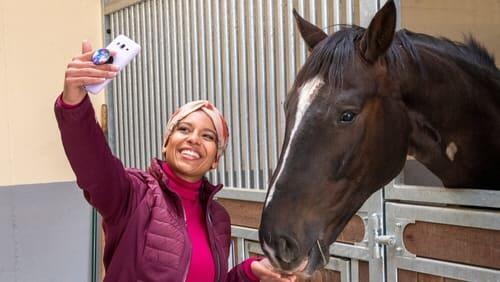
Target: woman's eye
[[209, 137], [182, 129], [347, 117]]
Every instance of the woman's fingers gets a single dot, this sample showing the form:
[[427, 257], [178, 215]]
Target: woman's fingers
[[82, 81], [89, 72], [86, 46]]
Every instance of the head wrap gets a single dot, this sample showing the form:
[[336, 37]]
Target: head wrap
[[212, 112]]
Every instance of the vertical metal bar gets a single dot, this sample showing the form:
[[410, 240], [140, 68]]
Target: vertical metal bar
[[125, 113], [262, 93], [349, 12], [134, 107], [253, 95], [147, 82], [367, 9], [281, 66], [219, 77], [302, 45], [164, 75], [201, 33], [336, 15], [243, 97], [233, 99], [271, 87], [156, 105], [291, 44], [150, 121], [128, 94], [312, 11], [125, 92], [116, 104], [227, 84], [210, 62], [188, 49], [324, 15], [181, 43], [195, 47], [140, 82], [176, 80]]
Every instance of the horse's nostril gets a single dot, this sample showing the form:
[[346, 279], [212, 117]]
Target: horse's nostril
[[287, 249]]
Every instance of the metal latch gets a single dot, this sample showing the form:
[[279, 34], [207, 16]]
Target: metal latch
[[377, 239]]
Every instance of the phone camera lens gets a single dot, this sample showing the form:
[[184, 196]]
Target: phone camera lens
[[123, 46]]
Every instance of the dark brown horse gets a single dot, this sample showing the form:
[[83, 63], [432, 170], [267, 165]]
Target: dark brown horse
[[363, 101]]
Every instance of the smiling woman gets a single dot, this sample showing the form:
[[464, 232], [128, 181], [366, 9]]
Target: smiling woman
[[161, 224]]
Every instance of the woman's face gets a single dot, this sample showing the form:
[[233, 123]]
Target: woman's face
[[191, 149]]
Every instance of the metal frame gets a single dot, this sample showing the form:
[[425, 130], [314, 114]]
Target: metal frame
[[399, 215], [397, 190]]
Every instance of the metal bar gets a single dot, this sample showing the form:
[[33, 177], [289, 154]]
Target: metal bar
[[195, 47], [243, 98], [336, 14], [219, 88], [164, 74], [153, 139], [157, 81], [181, 43], [140, 83], [271, 87], [227, 84], [134, 73], [233, 99], [281, 79], [253, 95], [128, 97], [349, 12], [188, 49], [147, 81], [262, 94], [209, 67]]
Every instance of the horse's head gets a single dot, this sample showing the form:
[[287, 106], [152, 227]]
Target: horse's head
[[346, 136]]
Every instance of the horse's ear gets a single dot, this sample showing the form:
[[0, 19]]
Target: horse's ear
[[311, 34], [380, 33]]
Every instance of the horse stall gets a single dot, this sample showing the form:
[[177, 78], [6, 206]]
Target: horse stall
[[243, 55]]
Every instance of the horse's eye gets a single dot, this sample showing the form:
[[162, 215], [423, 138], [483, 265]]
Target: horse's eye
[[347, 117]]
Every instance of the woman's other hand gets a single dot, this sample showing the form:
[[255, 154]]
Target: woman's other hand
[[82, 71], [266, 273]]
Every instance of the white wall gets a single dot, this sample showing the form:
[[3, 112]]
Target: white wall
[[37, 40]]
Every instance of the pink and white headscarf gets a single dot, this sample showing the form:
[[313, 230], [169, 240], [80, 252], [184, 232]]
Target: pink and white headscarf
[[214, 114]]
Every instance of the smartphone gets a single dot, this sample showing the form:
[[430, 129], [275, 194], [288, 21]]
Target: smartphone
[[126, 49]]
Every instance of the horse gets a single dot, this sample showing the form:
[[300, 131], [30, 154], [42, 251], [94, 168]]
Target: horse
[[364, 100]]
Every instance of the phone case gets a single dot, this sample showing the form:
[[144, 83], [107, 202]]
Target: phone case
[[126, 49]]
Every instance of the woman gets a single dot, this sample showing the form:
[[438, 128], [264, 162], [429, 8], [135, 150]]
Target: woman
[[163, 224]]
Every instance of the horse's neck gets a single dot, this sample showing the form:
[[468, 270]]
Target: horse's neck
[[456, 122]]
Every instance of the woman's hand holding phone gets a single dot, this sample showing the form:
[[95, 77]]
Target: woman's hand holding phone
[[81, 71]]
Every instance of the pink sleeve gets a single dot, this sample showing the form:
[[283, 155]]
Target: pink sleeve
[[248, 270], [60, 102]]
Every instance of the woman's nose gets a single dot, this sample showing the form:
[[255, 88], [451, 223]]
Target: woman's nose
[[193, 138]]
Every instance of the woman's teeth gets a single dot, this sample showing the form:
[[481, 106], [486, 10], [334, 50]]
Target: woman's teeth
[[190, 154]]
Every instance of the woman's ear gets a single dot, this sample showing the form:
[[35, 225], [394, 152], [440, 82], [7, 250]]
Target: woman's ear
[[215, 164]]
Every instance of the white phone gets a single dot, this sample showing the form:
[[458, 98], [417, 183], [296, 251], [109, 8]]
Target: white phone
[[126, 49]]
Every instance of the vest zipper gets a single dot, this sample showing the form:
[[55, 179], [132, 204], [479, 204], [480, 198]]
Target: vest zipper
[[214, 246], [187, 238]]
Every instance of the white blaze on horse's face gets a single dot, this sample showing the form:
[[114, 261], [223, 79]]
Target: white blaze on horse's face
[[307, 92]]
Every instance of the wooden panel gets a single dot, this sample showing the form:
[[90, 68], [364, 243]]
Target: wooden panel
[[246, 213], [474, 246], [324, 275], [243, 213], [363, 271], [353, 232], [411, 276]]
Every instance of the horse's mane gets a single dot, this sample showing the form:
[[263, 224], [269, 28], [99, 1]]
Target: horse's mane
[[335, 54]]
